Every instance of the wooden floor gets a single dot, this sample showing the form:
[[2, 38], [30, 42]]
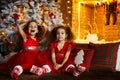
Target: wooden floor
[[92, 75]]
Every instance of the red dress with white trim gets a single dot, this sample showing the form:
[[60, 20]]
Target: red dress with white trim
[[60, 55], [26, 58]]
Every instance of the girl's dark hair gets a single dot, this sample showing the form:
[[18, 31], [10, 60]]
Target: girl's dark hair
[[52, 36]]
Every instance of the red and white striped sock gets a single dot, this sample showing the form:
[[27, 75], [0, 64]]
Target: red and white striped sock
[[17, 70], [46, 68], [40, 70], [81, 68], [72, 69]]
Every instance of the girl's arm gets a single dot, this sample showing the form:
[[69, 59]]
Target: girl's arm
[[66, 55], [22, 33], [53, 56]]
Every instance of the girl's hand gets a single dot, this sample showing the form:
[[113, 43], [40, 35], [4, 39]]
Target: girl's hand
[[55, 66], [58, 66]]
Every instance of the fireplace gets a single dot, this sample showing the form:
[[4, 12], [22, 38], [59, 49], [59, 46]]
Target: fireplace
[[88, 19]]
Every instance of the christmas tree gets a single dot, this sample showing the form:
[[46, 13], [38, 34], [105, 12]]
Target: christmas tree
[[46, 12]]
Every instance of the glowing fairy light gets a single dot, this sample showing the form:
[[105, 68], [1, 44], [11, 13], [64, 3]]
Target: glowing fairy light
[[68, 1], [69, 12], [44, 24], [68, 7], [3, 33], [79, 21], [11, 42]]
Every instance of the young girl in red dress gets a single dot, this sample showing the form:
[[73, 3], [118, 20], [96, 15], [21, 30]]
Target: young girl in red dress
[[31, 34], [61, 56]]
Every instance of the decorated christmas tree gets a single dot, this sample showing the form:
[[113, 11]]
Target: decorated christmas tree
[[46, 12]]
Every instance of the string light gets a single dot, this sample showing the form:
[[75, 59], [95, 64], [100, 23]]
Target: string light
[[68, 7], [68, 1], [68, 12], [11, 42], [3, 33]]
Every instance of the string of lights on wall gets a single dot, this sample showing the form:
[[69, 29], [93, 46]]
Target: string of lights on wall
[[68, 11]]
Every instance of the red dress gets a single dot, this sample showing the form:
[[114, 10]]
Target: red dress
[[60, 54], [26, 58], [43, 58]]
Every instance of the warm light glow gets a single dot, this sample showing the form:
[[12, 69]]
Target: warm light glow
[[44, 24], [79, 21], [77, 26], [107, 0], [68, 7], [11, 42], [21, 17], [68, 1], [85, 22], [3, 33], [69, 12]]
